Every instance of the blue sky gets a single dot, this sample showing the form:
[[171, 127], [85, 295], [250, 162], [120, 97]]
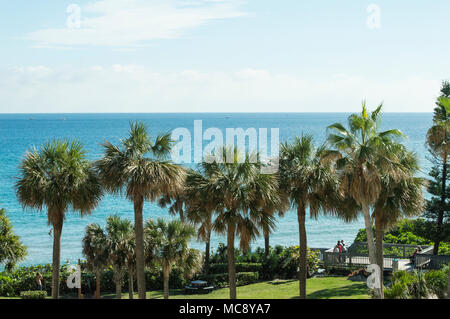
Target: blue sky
[[222, 55]]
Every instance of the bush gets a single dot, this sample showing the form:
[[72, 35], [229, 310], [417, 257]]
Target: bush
[[23, 279], [407, 285], [240, 267], [6, 286], [33, 294], [437, 281], [221, 280], [410, 232]]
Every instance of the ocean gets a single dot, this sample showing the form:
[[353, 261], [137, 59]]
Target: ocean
[[18, 132]]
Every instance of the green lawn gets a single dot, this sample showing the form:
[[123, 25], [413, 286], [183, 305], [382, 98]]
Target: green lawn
[[317, 288]]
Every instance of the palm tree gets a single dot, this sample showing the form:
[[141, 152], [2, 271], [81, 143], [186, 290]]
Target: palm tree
[[240, 193], [58, 177], [438, 140], [95, 250], [199, 210], [175, 202], [119, 244], [137, 169], [169, 243], [131, 264], [12, 251], [309, 181], [365, 156], [401, 196]]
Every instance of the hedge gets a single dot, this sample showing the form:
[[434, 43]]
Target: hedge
[[24, 279], [240, 267], [221, 280], [33, 294]]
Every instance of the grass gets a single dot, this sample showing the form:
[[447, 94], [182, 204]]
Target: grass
[[317, 288]]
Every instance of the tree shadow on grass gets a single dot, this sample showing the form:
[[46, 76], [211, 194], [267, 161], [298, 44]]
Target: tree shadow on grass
[[281, 281], [339, 292]]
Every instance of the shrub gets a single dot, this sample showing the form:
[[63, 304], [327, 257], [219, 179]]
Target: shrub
[[6, 286], [240, 267], [407, 285], [33, 294], [437, 281], [410, 232], [221, 280]]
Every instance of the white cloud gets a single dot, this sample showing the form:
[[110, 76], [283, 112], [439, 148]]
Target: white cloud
[[134, 88], [129, 23]]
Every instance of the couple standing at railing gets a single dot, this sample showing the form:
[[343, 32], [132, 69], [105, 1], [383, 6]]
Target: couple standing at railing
[[340, 248]]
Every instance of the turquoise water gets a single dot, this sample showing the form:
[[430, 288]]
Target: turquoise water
[[21, 131]]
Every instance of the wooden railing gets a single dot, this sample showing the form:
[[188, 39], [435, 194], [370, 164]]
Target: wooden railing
[[431, 261], [357, 255]]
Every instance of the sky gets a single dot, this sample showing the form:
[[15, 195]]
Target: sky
[[148, 56]]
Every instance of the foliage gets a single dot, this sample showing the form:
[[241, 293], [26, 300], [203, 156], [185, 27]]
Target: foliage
[[408, 232], [221, 280], [12, 250], [23, 279], [437, 281], [407, 285], [36, 294], [429, 229], [281, 262], [240, 267], [138, 168], [417, 284], [168, 245]]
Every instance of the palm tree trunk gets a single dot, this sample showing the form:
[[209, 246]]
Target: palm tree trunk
[[207, 251], [266, 243], [166, 272], [97, 285], [231, 262], [302, 273], [139, 234], [57, 230], [369, 233], [118, 289], [440, 219], [130, 283], [379, 233]]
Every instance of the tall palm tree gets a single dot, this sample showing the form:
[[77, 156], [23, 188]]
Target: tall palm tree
[[438, 140], [119, 244], [169, 242], [365, 155], [200, 207], [309, 181], [401, 196], [240, 193], [95, 250], [138, 169], [59, 177]]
